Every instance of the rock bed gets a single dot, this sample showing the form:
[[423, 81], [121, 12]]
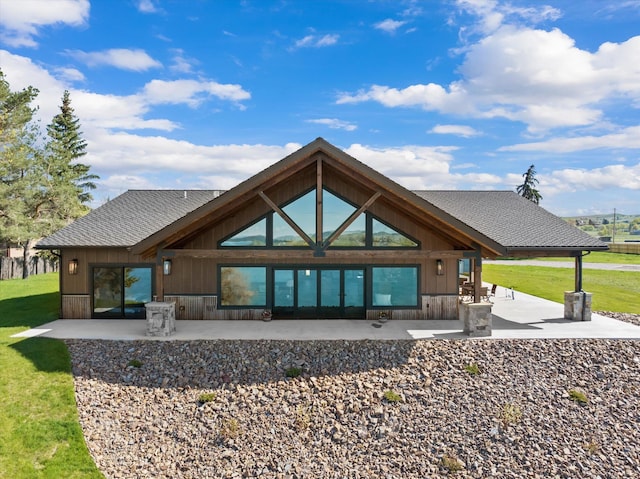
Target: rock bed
[[513, 417]]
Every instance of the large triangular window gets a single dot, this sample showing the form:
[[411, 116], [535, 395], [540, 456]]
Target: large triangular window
[[344, 225]]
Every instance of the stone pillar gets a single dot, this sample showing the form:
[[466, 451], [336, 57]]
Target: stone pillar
[[477, 319], [577, 305], [161, 318]]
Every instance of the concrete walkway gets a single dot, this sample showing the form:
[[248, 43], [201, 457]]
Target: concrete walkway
[[519, 316]]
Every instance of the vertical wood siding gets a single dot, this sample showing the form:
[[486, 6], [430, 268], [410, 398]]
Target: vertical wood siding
[[76, 306]]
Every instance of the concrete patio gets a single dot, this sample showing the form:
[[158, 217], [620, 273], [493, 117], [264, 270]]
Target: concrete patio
[[517, 316]]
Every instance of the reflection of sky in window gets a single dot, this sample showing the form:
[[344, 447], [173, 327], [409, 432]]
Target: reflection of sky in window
[[303, 213], [254, 235], [334, 212]]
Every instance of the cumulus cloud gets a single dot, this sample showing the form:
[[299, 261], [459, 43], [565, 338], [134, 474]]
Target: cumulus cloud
[[389, 25], [21, 21], [128, 112], [459, 130], [335, 124], [126, 59], [537, 77]]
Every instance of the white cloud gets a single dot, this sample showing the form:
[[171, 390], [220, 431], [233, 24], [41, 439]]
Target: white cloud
[[21, 20], [191, 92], [625, 138], [389, 25], [99, 111], [147, 6], [536, 77], [315, 41], [460, 130], [610, 176], [415, 167], [126, 59], [70, 74], [181, 64], [335, 124]]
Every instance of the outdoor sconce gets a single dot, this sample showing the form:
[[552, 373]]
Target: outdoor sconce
[[439, 267], [73, 266], [166, 267]]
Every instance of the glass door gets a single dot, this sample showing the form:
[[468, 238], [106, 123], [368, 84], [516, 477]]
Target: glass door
[[310, 293], [121, 292]]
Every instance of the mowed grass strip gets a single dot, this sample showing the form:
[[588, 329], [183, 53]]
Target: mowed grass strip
[[612, 290], [40, 436], [600, 257]]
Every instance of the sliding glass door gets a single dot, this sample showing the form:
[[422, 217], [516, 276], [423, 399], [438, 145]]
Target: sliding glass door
[[121, 291]]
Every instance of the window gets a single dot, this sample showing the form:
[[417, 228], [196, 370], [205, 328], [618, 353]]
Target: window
[[364, 231], [253, 235], [243, 286], [384, 236], [394, 286], [121, 291]]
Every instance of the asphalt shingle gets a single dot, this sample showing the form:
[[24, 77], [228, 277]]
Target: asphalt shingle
[[129, 218]]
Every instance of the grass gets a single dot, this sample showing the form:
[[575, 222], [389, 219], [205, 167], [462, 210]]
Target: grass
[[601, 257], [612, 290], [40, 436]]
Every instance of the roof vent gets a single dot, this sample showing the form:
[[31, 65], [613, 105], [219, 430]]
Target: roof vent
[[185, 194]]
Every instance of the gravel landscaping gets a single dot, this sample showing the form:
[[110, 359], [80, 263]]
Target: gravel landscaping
[[360, 409]]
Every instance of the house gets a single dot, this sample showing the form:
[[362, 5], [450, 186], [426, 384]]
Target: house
[[316, 235]]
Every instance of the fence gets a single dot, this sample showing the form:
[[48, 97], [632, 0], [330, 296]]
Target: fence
[[12, 268], [630, 248]]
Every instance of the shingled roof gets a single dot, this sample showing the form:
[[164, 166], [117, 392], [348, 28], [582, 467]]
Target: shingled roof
[[129, 218], [513, 222]]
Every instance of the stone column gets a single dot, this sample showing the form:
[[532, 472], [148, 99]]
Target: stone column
[[477, 319], [577, 305], [161, 318]]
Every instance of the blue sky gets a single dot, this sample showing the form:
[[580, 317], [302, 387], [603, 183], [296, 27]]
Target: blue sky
[[452, 94]]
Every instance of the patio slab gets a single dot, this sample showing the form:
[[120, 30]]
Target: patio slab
[[515, 316]]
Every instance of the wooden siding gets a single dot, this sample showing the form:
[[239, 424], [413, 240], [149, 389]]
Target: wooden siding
[[76, 306], [441, 307], [194, 307]]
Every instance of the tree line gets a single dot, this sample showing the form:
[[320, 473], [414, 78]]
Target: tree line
[[43, 185]]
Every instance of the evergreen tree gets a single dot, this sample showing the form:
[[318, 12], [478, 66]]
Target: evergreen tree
[[67, 181], [20, 203], [41, 188], [528, 188]]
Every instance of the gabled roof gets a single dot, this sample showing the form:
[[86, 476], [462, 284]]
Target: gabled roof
[[501, 221], [511, 220], [129, 218]]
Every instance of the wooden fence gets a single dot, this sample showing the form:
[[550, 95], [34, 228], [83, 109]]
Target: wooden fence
[[12, 268], [630, 248]]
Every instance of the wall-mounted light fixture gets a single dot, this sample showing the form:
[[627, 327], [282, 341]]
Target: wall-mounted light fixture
[[439, 267], [166, 267], [73, 266]]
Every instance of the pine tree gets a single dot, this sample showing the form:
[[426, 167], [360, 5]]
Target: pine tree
[[20, 206], [527, 189], [68, 181]]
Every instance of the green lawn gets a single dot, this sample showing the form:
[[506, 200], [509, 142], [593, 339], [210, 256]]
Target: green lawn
[[40, 436], [612, 290], [601, 257]]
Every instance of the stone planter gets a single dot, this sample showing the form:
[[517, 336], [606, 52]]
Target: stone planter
[[161, 318], [477, 319]]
